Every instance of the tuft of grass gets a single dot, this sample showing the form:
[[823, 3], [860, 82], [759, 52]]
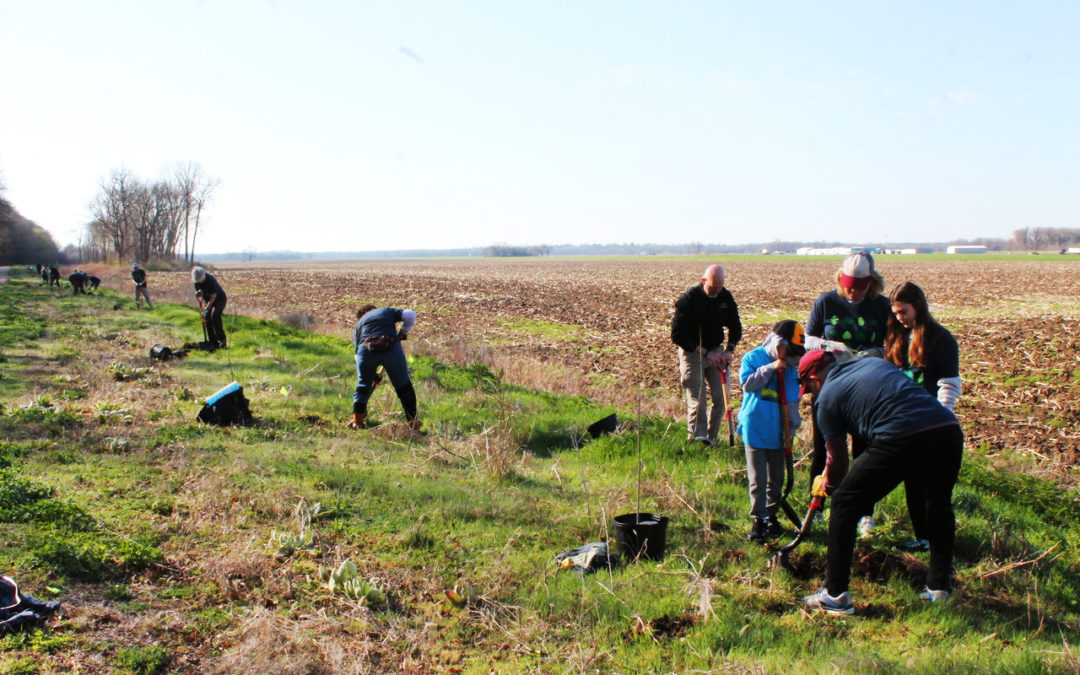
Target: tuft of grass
[[143, 660]]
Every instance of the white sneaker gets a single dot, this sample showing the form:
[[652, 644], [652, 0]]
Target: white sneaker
[[866, 527], [934, 596], [839, 604]]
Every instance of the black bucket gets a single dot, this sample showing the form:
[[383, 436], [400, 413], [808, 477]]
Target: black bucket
[[641, 535], [608, 425]]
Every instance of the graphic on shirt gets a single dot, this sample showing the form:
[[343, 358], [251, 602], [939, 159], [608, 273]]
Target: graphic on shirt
[[917, 375], [855, 332]]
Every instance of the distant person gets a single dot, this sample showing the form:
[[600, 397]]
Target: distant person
[[93, 282], [761, 424], [702, 313], [212, 301], [851, 321], [138, 278], [909, 435], [926, 352], [78, 282], [53, 276], [377, 342]]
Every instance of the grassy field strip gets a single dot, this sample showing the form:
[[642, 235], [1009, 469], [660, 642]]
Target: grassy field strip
[[296, 545]]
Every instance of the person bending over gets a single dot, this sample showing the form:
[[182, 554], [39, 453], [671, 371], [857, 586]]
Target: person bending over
[[377, 342]]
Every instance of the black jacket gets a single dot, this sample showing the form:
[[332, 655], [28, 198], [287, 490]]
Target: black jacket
[[698, 314]]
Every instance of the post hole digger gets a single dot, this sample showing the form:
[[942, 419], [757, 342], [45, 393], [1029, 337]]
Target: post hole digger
[[782, 558]]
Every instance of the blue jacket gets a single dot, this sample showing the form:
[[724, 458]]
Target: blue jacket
[[759, 414]]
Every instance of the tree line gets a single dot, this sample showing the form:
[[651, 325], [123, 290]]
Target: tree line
[[139, 220], [1036, 238], [22, 242]]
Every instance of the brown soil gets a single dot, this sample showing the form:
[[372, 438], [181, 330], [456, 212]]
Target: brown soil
[[1016, 323]]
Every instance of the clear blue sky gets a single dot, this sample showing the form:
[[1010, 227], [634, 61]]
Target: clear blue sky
[[381, 125]]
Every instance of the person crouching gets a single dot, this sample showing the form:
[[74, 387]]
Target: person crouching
[[761, 426], [377, 342]]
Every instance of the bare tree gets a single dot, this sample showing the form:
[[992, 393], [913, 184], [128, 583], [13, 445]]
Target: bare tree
[[203, 193], [149, 220]]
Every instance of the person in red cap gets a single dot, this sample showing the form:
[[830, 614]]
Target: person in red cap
[[909, 435], [850, 320]]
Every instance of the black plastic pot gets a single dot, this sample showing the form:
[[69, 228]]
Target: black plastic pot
[[641, 535]]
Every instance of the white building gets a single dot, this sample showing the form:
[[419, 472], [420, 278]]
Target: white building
[[835, 250], [953, 250]]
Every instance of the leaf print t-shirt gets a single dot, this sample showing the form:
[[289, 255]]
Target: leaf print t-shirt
[[859, 325]]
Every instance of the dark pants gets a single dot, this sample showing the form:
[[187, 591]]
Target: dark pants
[[397, 369], [817, 462], [932, 456], [215, 330]]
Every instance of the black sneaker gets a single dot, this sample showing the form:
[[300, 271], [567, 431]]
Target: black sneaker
[[774, 529], [759, 531]]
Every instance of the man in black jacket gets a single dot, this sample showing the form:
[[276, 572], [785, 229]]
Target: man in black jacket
[[702, 313]]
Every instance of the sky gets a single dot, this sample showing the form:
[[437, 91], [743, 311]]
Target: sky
[[360, 126]]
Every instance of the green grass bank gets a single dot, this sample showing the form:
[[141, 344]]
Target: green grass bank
[[297, 545]]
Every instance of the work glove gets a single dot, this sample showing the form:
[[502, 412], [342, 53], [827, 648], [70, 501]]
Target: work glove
[[818, 490], [402, 335]]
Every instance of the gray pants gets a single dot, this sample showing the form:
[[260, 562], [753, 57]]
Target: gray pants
[[765, 473], [696, 372]]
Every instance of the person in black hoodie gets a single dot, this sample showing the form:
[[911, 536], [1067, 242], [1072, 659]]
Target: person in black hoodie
[[702, 314], [212, 300]]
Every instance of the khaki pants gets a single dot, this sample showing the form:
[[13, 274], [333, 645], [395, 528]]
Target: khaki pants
[[141, 290], [696, 372]]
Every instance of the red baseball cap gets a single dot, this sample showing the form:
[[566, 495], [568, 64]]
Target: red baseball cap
[[811, 365], [856, 270]]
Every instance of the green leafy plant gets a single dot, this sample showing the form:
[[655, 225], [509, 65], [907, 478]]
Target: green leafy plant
[[346, 580], [287, 544], [122, 372], [108, 413]]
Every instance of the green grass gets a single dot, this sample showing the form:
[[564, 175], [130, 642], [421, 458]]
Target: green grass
[[171, 526]]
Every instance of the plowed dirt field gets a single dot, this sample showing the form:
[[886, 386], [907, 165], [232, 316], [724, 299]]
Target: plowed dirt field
[[601, 327]]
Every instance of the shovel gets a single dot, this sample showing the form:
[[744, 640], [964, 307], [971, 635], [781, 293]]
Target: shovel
[[789, 461], [727, 407]]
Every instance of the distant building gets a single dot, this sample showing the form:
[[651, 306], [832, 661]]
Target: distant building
[[953, 250], [835, 250]]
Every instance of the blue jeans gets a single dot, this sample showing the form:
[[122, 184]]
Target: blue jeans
[[367, 362]]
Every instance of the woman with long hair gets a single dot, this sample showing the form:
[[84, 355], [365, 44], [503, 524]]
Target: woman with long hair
[[927, 353]]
